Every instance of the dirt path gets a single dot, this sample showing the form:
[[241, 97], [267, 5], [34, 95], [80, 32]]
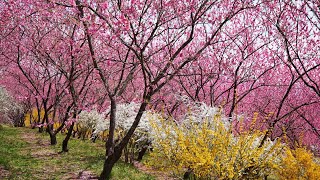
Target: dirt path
[[158, 175], [40, 149], [4, 174], [46, 163]]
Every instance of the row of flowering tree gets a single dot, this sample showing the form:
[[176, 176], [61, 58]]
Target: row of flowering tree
[[65, 57]]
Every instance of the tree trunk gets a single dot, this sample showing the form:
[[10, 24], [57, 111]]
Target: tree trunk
[[126, 155], [41, 129], [53, 139], [142, 152], [131, 153], [109, 163], [112, 126], [114, 154], [66, 139], [74, 133], [94, 138], [187, 174]]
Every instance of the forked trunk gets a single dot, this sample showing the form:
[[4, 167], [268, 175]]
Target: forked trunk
[[114, 154], [108, 165]]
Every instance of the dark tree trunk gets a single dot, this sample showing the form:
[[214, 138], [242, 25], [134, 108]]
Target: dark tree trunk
[[66, 139], [131, 154], [126, 155], [74, 133], [187, 174], [41, 129], [109, 163], [142, 152], [53, 139], [94, 138], [112, 126], [114, 154]]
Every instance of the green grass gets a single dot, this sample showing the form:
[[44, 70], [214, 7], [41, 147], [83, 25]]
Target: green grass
[[27, 155], [10, 156]]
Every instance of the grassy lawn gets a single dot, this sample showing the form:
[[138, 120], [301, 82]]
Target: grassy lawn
[[26, 154]]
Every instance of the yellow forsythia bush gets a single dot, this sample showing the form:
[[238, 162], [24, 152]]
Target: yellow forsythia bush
[[32, 117], [298, 164], [211, 151]]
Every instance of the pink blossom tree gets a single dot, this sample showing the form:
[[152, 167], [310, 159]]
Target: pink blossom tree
[[157, 40], [245, 56]]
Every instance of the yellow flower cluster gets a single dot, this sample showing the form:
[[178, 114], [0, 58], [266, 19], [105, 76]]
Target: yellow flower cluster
[[210, 150], [298, 164], [32, 117]]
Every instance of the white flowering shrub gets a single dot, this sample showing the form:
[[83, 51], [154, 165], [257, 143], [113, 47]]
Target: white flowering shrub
[[11, 112], [200, 113], [141, 140], [95, 122], [92, 121], [144, 135]]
